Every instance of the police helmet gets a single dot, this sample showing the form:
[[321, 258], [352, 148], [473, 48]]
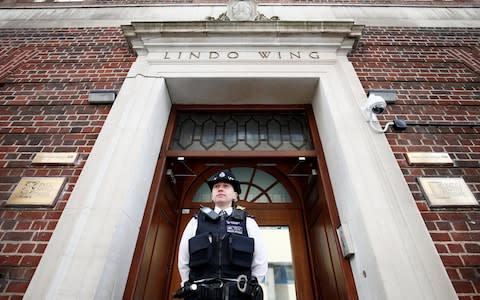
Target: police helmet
[[225, 176]]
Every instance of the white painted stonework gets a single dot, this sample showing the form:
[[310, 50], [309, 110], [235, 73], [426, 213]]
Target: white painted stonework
[[90, 252], [93, 16]]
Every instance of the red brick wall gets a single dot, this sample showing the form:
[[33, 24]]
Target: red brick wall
[[436, 74], [45, 76]]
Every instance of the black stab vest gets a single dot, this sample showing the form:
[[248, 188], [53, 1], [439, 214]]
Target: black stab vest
[[221, 248]]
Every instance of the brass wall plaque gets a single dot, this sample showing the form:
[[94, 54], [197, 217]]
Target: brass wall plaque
[[445, 192], [67, 158], [41, 191], [430, 158]]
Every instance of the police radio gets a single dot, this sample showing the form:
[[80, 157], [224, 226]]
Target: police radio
[[210, 213]]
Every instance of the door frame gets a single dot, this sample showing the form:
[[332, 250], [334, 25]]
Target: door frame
[[280, 214], [166, 154]]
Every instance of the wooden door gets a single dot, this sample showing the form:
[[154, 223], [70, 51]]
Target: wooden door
[[333, 277], [287, 212], [311, 218], [320, 270], [152, 264], [293, 220]]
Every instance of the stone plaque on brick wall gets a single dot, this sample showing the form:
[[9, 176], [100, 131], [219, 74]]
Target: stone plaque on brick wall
[[62, 158], [446, 192], [41, 191], [429, 158]]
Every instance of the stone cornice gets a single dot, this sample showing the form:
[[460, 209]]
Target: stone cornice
[[455, 17], [144, 37]]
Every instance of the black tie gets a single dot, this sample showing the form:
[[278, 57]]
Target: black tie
[[223, 225]]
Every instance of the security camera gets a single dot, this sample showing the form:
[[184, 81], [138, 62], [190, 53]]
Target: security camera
[[375, 104]]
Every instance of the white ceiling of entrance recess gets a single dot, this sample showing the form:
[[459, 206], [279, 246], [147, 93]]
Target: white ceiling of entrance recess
[[241, 90]]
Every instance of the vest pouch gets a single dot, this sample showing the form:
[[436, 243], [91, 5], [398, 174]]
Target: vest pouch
[[241, 250], [200, 248]]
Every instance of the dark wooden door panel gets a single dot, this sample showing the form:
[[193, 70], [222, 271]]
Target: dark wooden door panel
[[333, 278], [324, 272], [156, 263]]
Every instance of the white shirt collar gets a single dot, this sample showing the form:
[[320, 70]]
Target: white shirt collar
[[228, 210]]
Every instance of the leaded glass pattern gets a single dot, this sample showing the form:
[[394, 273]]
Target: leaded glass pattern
[[241, 131], [257, 186]]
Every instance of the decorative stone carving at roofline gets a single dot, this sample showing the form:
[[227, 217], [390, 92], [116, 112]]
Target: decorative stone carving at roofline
[[259, 17], [242, 10]]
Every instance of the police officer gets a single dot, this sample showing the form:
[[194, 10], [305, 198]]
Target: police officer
[[221, 255]]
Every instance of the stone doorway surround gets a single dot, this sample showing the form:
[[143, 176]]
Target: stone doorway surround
[[89, 254]]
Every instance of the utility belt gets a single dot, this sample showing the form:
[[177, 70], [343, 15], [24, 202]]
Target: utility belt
[[241, 287]]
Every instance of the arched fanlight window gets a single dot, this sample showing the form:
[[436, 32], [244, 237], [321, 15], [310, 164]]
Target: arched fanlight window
[[257, 186]]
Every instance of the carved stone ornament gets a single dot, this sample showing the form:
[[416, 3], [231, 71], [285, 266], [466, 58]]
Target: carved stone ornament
[[242, 10]]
